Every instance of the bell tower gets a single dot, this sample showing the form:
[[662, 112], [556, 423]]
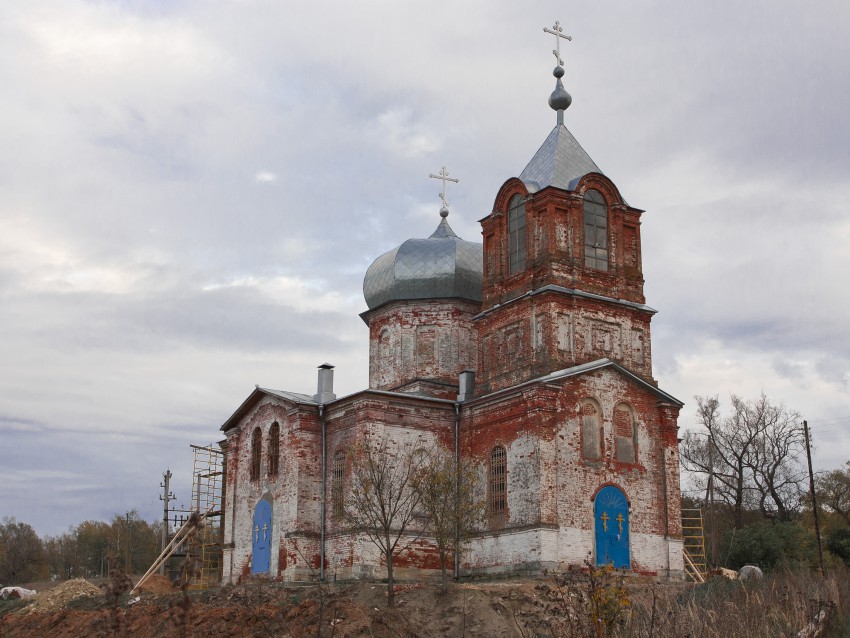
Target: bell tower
[[562, 279]]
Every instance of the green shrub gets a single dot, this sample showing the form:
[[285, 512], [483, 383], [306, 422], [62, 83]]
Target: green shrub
[[838, 542], [769, 545]]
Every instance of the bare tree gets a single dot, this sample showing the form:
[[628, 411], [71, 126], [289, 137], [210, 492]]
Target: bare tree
[[719, 450], [383, 502], [449, 499], [775, 461], [753, 455]]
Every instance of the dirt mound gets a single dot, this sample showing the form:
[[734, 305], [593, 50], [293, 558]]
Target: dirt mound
[[61, 595], [157, 584]]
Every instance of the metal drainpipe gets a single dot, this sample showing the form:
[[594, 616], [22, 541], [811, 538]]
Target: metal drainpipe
[[666, 505], [324, 491], [457, 490]]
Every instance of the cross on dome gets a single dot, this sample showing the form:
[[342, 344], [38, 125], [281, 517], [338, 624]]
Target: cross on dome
[[557, 31], [444, 176]]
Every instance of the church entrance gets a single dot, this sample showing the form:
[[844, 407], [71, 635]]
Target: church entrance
[[261, 536], [611, 512]]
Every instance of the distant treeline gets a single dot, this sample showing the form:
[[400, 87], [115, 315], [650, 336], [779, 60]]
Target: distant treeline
[[87, 550]]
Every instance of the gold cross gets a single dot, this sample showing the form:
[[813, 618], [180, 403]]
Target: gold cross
[[605, 518], [620, 520], [256, 533], [557, 31], [266, 527]]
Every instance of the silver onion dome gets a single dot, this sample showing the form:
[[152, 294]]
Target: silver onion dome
[[440, 267]]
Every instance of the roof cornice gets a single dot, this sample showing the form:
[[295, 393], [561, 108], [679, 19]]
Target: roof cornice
[[572, 292]]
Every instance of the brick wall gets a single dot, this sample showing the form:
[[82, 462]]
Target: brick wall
[[427, 339]]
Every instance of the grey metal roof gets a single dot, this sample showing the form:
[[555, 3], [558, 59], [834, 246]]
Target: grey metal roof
[[559, 162], [442, 266], [295, 397]]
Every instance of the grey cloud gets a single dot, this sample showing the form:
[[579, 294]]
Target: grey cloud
[[729, 132]]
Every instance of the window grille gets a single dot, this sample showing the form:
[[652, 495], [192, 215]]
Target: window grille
[[338, 473], [274, 449], [498, 480]]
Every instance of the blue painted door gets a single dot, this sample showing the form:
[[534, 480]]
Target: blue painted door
[[261, 537], [611, 513]]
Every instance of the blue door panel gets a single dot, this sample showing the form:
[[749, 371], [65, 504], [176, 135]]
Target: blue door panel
[[611, 516], [261, 537]]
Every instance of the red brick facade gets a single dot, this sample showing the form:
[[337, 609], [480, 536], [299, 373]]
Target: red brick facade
[[564, 405]]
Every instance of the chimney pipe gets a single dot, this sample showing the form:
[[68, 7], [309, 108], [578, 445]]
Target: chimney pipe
[[467, 385], [325, 390]]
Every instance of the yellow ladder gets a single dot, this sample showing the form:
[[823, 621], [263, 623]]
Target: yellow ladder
[[696, 567]]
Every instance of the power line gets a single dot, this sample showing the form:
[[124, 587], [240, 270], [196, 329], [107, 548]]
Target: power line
[[824, 420], [841, 430], [833, 437]]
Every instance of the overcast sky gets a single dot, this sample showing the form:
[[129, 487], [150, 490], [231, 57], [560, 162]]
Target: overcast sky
[[191, 192]]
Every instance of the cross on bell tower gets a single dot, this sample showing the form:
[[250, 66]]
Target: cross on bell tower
[[557, 31]]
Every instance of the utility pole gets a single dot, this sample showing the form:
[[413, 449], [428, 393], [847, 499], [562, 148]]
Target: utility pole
[[165, 498], [128, 565], [814, 499], [711, 500]]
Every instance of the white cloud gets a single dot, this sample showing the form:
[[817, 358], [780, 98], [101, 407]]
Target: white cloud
[[397, 131], [301, 295], [265, 176]]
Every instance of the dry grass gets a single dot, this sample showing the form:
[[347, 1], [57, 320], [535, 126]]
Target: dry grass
[[601, 603]]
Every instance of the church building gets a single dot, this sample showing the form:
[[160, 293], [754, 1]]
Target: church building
[[529, 354]]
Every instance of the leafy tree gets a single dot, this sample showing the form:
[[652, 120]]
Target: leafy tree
[[93, 540], [448, 498], [134, 543], [833, 490], [63, 555], [22, 556], [383, 502]]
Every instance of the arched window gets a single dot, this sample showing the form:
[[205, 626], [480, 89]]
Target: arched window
[[338, 473], [274, 449], [595, 231], [591, 431], [624, 434], [498, 481], [516, 235], [256, 453]]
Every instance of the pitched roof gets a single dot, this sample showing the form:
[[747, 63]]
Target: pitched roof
[[256, 395], [559, 162], [584, 368]]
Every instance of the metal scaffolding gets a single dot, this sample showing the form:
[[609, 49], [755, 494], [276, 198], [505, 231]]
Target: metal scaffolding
[[205, 546]]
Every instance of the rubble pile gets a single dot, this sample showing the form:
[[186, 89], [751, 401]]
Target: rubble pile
[[61, 595]]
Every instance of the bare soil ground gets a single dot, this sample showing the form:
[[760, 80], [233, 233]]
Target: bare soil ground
[[546, 607], [492, 610]]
